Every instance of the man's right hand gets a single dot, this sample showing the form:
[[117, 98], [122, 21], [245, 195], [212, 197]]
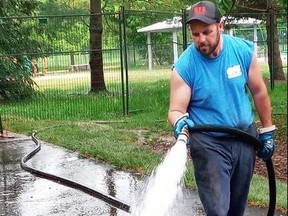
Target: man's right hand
[[180, 123]]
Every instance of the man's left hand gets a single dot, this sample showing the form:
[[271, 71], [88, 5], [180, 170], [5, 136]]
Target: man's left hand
[[266, 137]]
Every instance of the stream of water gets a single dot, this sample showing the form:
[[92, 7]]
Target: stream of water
[[164, 184]]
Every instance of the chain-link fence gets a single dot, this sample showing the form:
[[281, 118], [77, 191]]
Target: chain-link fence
[[61, 73], [137, 51]]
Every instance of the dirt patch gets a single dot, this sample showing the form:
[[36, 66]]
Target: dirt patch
[[164, 142]]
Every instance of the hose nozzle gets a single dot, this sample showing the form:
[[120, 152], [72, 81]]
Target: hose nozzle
[[183, 136]]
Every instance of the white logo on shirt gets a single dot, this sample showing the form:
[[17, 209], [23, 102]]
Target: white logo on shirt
[[234, 71]]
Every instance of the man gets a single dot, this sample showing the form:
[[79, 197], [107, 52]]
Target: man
[[209, 85]]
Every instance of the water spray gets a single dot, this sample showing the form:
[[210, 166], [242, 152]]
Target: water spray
[[165, 182]]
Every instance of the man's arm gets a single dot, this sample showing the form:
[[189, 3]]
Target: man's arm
[[259, 93], [180, 94], [263, 108]]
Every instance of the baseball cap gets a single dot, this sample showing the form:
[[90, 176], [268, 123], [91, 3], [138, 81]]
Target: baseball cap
[[204, 11]]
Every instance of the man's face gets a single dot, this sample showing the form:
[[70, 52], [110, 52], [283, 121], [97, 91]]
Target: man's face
[[206, 37]]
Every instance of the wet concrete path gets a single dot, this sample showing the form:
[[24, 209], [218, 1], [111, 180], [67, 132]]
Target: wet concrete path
[[23, 194]]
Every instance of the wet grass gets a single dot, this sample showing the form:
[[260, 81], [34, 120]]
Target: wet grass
[[116, 139]]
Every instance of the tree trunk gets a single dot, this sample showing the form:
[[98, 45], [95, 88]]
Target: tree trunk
[[96, 58], [273, 46]]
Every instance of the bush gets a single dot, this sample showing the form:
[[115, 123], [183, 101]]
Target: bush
[[15, 80]]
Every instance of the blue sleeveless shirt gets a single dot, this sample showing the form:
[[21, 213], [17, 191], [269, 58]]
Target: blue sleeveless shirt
[[218, 85]]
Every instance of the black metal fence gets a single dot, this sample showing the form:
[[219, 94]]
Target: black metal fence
[[138, 49]]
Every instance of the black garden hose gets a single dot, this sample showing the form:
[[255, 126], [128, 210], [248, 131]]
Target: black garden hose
[[242, 135], [100, 195]]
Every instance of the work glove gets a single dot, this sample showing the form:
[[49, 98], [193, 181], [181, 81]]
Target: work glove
[[266, 137], [180, 123]]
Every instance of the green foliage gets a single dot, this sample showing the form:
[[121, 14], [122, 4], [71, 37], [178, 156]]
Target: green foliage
[[225, 6], [171, 6], [15, 43], [62, 31], [17, 7], [15, 81], [255, 6], [63, 7]]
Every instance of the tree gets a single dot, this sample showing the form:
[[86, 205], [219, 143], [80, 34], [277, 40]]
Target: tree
[[273, 41], [255, 9], [96, 57]]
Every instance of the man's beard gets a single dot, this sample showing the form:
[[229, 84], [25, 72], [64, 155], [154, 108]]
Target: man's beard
[[207, 52]]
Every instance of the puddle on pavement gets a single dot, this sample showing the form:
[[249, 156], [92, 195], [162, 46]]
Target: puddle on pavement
[[23, 194]]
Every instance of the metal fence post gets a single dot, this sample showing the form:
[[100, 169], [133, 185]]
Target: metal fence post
[[1, 125], [271, 18], [120, 17], [123, 13], [184, 28]]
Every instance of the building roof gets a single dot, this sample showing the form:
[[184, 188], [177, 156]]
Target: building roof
[[164, 26], [242, 21]]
